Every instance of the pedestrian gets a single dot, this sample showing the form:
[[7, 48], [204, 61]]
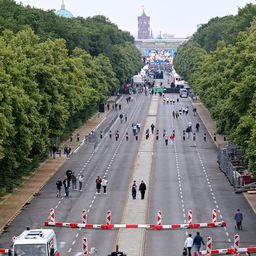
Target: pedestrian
[[194, 111], [134, 189], [138, 127], [59, 185], [134, 129], [120, 106], [71, 138], [238, 218], [173, 114], [69, 174], [108, 107], [157, 134], [125, 118], [110, 134], [194, 136], [177, 114], [166, 140], [147, 134], [74, 181], [152, 128], [77, 137], [204, 136], [127, 136], [198, 241], [172, 138], [117, 135], [101, 134], [81, 181], [98, 184], [54, 151], [115, 106], [68, 151], [197, 127], [66, 187], [104, 184], [188, 244], [163, 133], [142, 189], [121, 117]]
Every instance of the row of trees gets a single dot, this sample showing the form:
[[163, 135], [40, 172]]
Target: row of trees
[[52, 78], [221, 70]]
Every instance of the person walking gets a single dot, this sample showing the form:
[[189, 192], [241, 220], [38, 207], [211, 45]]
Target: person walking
[[189, 244], [59, 186], [66, 187], [69, 174], [134, 189], [98, 184], [125, 118], [104, 184], [152, 128], [73, 181], [197, 127], [172, 138], [80, 182], [238, 218], [142, 189], [198, 241], [166, 140]]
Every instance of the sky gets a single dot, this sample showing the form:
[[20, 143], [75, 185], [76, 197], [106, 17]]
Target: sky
[[177, 17]]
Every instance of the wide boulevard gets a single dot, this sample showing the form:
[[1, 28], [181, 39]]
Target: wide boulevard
[[184, 176]]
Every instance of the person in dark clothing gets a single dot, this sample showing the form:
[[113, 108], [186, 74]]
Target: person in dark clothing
[[238, 218], [142, 189], [59, 185], [197, 127], [197, 242], [54, 150], [98, 184], [152, 128], [134, 189], [69, 176], [66, 187]]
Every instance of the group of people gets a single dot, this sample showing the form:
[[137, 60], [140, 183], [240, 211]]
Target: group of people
[[101, 182], [198, 241], [142, 189], [69, 181]]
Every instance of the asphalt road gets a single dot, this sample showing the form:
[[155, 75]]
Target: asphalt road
[[185, 176], [111, 158]]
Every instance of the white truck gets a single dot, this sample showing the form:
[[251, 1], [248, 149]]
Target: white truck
[[35, 242]]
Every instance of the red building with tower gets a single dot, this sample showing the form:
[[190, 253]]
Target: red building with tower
[[144, 26]]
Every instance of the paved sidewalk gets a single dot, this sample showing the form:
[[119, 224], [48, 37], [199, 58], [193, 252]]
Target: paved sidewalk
[[210, 125], [12, 204], [131, 241]]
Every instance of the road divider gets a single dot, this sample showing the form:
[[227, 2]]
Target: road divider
[[158, 226]]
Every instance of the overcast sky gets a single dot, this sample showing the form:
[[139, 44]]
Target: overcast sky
[[178, 17]]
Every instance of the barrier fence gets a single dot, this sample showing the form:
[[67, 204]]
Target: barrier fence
[[158, 226]]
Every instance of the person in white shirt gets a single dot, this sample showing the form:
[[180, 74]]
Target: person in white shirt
[[189, 244], [104, 184]]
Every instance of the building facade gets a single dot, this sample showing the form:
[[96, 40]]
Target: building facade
[[144, 26]]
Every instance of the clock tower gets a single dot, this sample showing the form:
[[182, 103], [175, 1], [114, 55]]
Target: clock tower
[[143, 26]]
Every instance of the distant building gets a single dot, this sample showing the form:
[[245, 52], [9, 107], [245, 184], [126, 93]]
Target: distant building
[[144, 26], [167, 36], [63, 12]]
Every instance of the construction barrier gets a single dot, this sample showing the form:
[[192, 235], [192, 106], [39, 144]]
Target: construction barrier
[[4, 251], [236, 250], [158, 226]]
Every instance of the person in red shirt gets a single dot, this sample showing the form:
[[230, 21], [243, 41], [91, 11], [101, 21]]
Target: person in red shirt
[[172, 138]]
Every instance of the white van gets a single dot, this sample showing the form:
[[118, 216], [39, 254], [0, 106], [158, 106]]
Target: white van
[[36, 242], [183, 93]]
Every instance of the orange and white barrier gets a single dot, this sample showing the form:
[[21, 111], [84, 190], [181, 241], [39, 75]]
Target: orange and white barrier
[[85, 247], [214, 215], [108, 225], [84, 216], [4, 251], [190, 217], [108, 218], [236, 250], [51, 217], [159, 218]]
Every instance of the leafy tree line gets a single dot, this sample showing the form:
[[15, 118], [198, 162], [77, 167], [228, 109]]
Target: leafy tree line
[[53, 73], [96, 35], [225, 78]]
